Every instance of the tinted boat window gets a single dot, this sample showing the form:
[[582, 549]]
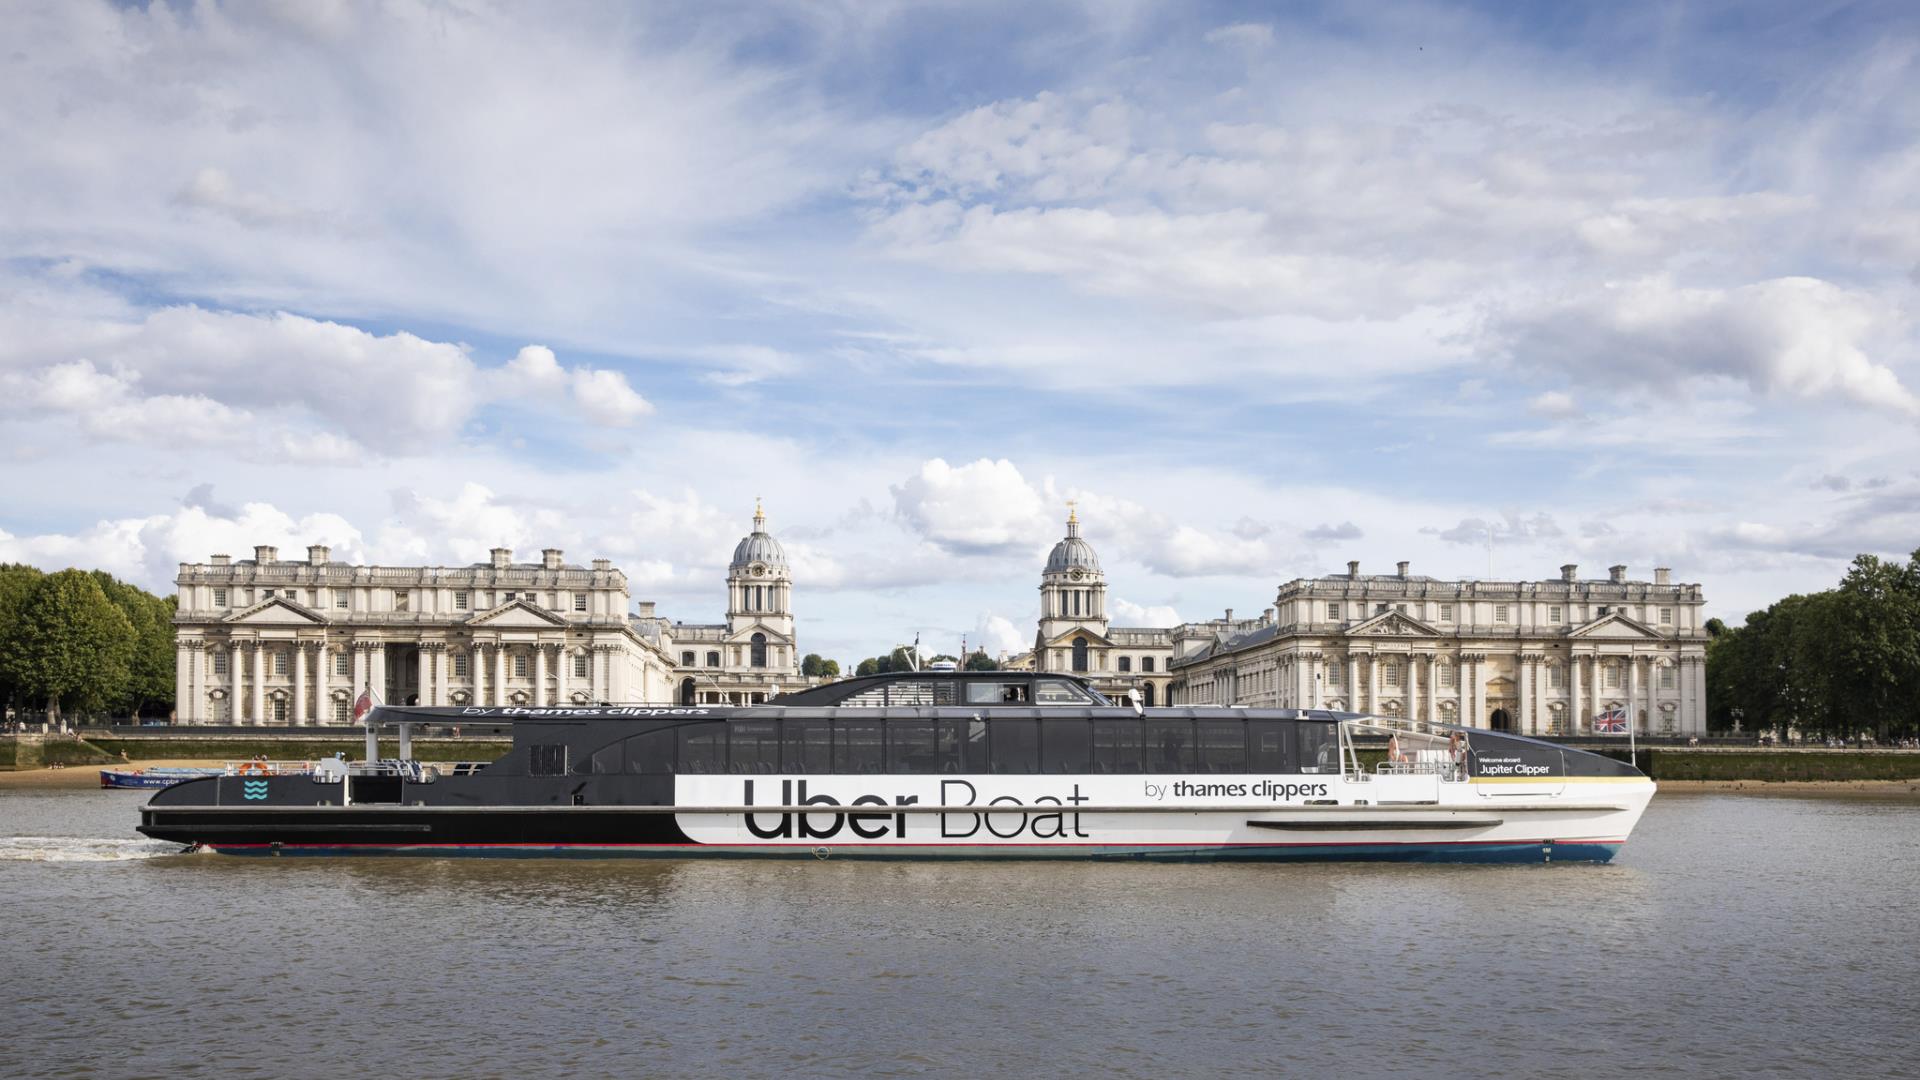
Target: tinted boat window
[[856, 746], [651, 753], [910, 746], [1223, 746], [962, 746], [1168, 746], [610, 759], [1066, 746], [1013, 746], [1319, 744], [1267, 745], [753, 746], [806, 747], [1059, 692], [1116, 745], [703, 748], [996, 693]]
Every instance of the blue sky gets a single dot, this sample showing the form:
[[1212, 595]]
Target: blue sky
[[1264, 289]]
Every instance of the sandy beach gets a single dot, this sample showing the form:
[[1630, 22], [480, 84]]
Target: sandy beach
[[88, 776]]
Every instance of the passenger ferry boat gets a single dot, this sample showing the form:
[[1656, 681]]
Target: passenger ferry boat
[[936, 765]]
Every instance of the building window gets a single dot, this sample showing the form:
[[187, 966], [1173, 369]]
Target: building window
[[580, 665], [1379, 609], [1146, 663], [402, 600], [268, 595], [219, 598], [280, 710], [713, 658], [1613, 676], [220, 663], [1334, 672], [759, 651], [1333, 612], [686, 658], [342, 664], [1666, 678], [1449, 675], [461, 664], [579, 601], [279, 663], [1499, 613], [339, 712], [313, 598], [1446, 612], [520, 665], [1556, 675], [1553, 613], [1401, 608], [460, 600], [1393, 672], [1126, 663], [339, 598], [1079, 654], [1666, 616]]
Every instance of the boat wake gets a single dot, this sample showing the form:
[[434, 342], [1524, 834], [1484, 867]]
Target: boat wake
[[81, 849]]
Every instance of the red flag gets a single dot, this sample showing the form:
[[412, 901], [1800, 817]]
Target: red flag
[[362, 705]]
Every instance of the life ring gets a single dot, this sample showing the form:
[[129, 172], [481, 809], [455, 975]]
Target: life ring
[[251, 768]]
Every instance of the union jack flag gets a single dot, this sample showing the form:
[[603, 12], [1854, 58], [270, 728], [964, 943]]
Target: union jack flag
[[1610, 722], [363, 704]]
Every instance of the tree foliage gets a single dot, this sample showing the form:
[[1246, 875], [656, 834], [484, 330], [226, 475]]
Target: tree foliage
[[900, 659], [1834, 663], [816, 666], [83, 641], [978, 660]]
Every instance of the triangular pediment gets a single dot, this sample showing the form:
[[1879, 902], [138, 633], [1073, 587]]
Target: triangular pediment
[[1094, 639], [744, 636], [277, 611], [1615, 627], [517, 613], [1392, 624]]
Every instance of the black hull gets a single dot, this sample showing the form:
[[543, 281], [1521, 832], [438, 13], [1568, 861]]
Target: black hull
[[373, 828]]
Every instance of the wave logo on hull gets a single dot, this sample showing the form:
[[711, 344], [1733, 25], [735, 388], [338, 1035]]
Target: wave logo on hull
[[253, 789]]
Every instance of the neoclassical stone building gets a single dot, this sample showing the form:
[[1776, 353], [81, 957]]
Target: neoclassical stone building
[[1074, 634], [265, 641], [1536, 657]]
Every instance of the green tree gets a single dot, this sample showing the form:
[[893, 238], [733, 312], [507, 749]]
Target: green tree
[[817, 666], [869, 666], [17, 583], [75, 645], [150, 668], [978, 660]]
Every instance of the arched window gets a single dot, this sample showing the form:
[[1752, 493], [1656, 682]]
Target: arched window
[[713, 658], [1126, 663], [759, 650], [1079, 654], [1146, 695], [686, 691], [1146, 663]]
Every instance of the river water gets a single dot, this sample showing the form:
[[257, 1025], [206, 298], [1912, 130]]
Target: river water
[[1736, 935]]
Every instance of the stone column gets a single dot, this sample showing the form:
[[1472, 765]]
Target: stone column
[[539, 675], [1633, 693], [182, 678], [1432, 664], [616, 675], [1479, 688], [424, 677], [193, 710], [1525, 718], [1595, 687], [600, 665], [257, 680], [299, 684], [377, 670], [236, 683], [441, 661], [477, 663], [360, 677], [322, 683], [1353, 681], [1573, 694], [499, 674], [563, 665], [1699, 666]]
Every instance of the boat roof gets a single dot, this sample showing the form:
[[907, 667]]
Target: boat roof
[[860, 689]]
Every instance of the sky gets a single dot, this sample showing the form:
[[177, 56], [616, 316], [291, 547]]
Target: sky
[[1263, 288]]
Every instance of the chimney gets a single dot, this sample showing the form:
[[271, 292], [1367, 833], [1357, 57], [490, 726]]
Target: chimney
[[1353, 568], [1267, 616], [264, 554], [603, 565], [502, 558], [550, 558], [1402, 564], [223, 560], [1618, 574], [644, 609], [318, 553], [1229, 616], [1662, 576], [1570, 572]]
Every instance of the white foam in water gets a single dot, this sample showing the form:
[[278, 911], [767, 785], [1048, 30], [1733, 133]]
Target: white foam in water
[[80, 849]]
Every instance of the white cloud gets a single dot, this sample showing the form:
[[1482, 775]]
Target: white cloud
[[1554, 405], [1243, 35], [1128, 613], [997, 634], [981, 507]]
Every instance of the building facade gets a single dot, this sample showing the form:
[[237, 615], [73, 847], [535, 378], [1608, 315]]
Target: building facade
[[267, 641], [1074, 635], [1534, 657]]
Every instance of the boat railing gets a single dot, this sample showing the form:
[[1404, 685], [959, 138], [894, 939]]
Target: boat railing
[[263, 767]]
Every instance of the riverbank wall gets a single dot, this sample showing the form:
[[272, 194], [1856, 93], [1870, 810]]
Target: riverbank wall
[[21, 752], [1773, 764]]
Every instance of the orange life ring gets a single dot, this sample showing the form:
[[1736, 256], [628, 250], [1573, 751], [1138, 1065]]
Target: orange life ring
[[251, 768]]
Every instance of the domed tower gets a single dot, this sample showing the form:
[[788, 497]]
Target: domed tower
[[1073, 596], [760, 588]]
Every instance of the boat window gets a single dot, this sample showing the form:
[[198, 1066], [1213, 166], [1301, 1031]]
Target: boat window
[[1319, 746], [961, 746], [651, 753], [806, 747], [703, 748], [753, 746], [547, 759], [1013, 746], [983, 692], [910, 746], [1168, 746], [857, 746], [1116, 745], [1267, 745], [1059, 692], [1223, 746], [610, 759], [1066, 746]]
